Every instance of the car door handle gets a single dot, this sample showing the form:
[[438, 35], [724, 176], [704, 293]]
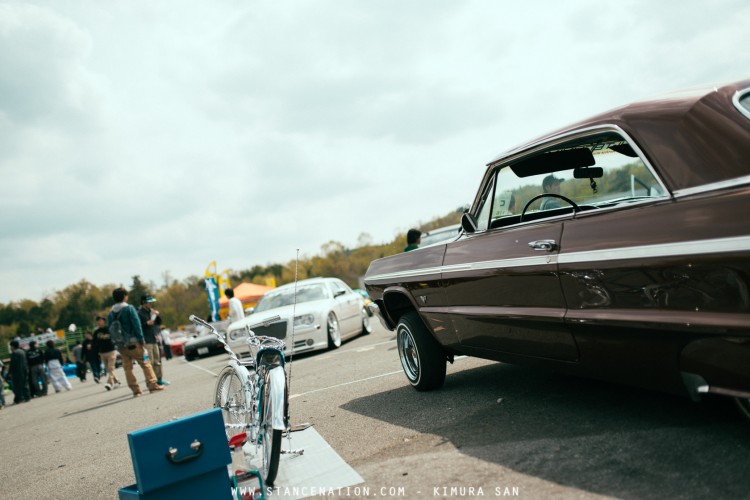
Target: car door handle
[[543, 245]]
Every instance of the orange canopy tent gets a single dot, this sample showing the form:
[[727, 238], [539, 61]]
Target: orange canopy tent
[[248, 293]]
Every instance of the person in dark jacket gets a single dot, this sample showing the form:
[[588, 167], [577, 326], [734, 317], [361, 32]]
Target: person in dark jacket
[[19, 372], [107, 353], [134, 350], [150, 321], [90, 355], [37, 374]]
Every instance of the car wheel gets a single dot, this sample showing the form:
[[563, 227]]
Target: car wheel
[[366, 323], [422, 358], [334, 331], [744, 405]]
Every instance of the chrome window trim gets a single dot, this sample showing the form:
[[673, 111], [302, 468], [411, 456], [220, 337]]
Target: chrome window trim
[[499, 162], [678, 249], [714, 186], [736, 101]]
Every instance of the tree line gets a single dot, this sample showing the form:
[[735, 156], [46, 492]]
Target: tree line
[[80, 302]]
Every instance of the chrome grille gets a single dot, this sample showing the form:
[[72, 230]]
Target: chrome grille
[[276, 330]]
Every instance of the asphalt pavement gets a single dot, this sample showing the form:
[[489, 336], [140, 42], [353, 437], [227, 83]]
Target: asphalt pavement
[[493, 430]]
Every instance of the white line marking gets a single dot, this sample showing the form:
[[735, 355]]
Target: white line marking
[[345, 383], [199, 367]]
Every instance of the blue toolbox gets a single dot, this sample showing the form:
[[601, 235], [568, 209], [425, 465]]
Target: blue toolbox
[[185, 458]]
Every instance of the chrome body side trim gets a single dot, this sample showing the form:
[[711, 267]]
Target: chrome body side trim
[[714, 186], [696, 247]]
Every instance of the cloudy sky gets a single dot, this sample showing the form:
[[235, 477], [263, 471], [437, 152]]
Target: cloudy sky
[[144, 137]]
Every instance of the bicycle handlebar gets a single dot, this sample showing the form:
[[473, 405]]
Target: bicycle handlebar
[[256, 340]]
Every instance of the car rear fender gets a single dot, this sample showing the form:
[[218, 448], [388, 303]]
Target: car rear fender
[[718, 365]]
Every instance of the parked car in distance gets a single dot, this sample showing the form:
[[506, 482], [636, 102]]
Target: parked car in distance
[[205, 343], [177, 342], [324, 313], [617, 248], [441, 234]]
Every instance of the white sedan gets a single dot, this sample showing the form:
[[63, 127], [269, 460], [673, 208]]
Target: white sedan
[[325, 312]]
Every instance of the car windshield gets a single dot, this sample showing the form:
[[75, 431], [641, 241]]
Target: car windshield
[[285, 297]]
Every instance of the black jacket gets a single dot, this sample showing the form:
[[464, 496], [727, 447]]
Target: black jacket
[[102, 342], [34, 357]]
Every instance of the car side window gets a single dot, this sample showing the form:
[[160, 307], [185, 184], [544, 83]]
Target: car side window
[[336, 288], [595, 172]]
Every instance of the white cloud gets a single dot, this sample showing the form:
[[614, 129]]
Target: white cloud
[[141, 137]]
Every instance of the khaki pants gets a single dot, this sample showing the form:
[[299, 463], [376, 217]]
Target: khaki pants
[[136, 354], [109, 358], [154, 355]]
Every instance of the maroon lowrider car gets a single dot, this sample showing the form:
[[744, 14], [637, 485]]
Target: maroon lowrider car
[[617, 248]]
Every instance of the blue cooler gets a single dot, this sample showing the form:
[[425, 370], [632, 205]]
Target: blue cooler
[[185, 458]]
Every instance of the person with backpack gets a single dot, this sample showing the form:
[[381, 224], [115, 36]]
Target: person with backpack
[[125, 331], [106, 348]]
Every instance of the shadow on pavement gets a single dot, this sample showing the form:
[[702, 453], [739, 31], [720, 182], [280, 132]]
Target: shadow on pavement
[[125, 397], [601, 438]]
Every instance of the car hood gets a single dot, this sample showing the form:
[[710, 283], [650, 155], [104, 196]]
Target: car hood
[[285, 313]]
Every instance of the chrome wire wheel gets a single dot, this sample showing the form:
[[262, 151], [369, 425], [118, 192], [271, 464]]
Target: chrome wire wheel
[[334, 331], [407, 352], [230, 396], [422, 357]]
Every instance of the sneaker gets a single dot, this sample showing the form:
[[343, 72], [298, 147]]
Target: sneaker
[[108, 387], [137, 394], [96, 380], [156, 388], [163, 382]]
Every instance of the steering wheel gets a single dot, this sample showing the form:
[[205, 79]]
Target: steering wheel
[[572, 203]]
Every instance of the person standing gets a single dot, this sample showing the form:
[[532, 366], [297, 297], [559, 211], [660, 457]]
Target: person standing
[[54, 359], [166, 341], [150, 321], [106, 349], [79, 361], [90, 355], [35, 359], [19, 373], [134, 349], [236, 312], [2, 384]]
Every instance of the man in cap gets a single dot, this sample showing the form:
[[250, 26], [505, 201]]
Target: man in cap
[[551, 184], [150, 322]]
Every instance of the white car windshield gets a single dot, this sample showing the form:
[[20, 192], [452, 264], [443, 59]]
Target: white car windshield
[[282, 298]]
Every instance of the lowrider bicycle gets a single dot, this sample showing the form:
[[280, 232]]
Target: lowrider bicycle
[[617, 248]]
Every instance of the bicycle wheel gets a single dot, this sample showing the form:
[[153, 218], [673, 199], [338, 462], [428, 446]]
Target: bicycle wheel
[[270, 438], [231, 396]]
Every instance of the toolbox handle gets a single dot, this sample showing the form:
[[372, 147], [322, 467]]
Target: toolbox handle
[[195, 446]]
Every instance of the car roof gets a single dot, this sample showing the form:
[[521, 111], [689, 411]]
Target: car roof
[[699, 133]]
